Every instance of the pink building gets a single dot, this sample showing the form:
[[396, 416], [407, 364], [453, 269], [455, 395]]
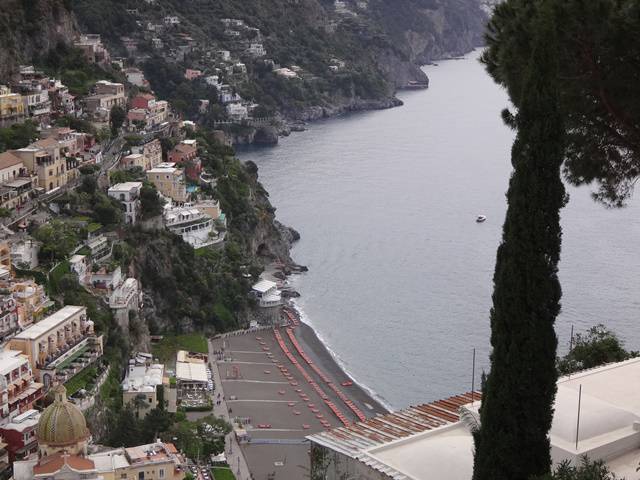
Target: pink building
[[142, 100], [190, 74]]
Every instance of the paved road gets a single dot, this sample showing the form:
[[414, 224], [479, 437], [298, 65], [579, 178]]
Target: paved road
[[235, 457]]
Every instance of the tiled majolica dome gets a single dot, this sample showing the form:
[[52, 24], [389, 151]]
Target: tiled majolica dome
[[62, 423]]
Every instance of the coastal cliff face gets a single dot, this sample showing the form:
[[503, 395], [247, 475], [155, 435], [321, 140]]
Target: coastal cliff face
[[428, 30], [30, 28]]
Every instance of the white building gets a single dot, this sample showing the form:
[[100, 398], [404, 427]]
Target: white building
[[267, 293], [224, 55], [237, 112], [142, 379], [171, 20], [434, 441], [213, 80], [124, 299], [79, 265], [256, 50], [195, 227], [191, 374], [285, 72], [128, 194], [99, 247], [24, 253], [227, 95], [107, 278], [135, 76]]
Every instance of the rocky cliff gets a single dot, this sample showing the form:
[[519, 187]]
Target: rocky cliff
[[428, 30], [30, 28]]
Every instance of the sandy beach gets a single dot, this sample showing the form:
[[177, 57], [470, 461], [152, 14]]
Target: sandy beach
[[280, 384], [318, 351]]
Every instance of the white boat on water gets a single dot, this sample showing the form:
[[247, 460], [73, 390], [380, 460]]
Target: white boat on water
[[481, 218]]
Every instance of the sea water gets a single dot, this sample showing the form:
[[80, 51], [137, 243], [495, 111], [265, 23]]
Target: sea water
[[400, 277]]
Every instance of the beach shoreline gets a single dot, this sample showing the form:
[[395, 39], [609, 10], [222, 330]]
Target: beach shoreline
[[326, 360]]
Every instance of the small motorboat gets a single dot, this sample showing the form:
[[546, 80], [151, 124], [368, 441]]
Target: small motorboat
[[481, 218]]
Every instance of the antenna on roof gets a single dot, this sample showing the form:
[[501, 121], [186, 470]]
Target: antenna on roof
[[473, 376], [578, 421]]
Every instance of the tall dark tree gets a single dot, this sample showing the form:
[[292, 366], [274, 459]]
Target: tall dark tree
[[116, 119], [598, 45], [517, 407]]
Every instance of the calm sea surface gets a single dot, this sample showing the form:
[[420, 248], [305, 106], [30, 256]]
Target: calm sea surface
[[399, 285]]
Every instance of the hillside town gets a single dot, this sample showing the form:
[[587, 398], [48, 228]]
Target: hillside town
[[149, 322], [50, 351]]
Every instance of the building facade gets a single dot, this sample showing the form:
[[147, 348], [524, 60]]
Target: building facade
[[141, 383], [20, 435], [128, 194], [9, 320], [170, 181], [60, 345], [125, 299], [17, 382]]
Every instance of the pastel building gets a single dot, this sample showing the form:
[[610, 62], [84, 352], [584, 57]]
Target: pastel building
[[151, 152], [17, 183], [20, 435], [12, 107], [31, 298], [107, 95], [59, 346], [45, 159], [170, 181], [18, 388], [9, 320]]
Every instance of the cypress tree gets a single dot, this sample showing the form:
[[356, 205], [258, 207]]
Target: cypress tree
[[517, 408]]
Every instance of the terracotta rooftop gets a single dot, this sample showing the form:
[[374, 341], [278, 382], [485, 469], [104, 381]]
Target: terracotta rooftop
[[45, 142], [54, 463], [382, 429], [8, 159]]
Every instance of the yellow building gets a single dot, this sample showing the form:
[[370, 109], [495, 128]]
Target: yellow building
[[17, 183], [45, 159], [63, 439], [170, 181], [31, 298], [12, 107], [60, 346]]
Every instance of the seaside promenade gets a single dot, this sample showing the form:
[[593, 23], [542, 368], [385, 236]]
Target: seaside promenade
[[280, 392]]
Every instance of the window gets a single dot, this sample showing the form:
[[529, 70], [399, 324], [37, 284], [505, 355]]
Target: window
[[161, 473]]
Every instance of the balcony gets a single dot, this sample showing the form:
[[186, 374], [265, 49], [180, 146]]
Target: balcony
[[68, 349]]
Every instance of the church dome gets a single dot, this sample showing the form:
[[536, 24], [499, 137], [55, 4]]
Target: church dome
[[61, 424]]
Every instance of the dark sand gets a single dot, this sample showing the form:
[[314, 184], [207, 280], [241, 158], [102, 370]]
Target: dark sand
[[314, 347], [262, 394]]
